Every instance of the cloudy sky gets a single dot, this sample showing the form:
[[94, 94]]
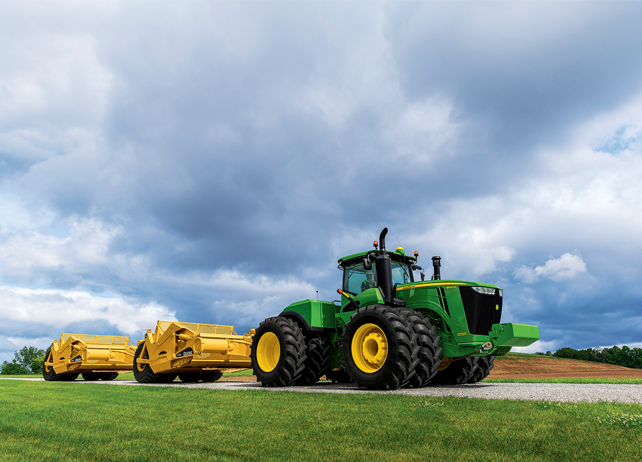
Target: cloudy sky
[[210, 161]]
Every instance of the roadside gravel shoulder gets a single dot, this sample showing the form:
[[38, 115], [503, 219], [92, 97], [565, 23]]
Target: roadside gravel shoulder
[[562, 392]]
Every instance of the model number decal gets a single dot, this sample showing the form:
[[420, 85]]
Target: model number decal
[[462, 333], [185, 352]]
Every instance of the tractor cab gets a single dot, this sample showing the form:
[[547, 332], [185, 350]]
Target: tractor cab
[[357, 279], [371, 277]]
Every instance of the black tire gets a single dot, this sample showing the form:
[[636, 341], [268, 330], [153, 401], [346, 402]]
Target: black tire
[[48, 372], [50, 376], [144, 374], [95, 376], [205, 377], [429, 349], [109, 376], [401, 359], [189, 377], [286, 367], [485, 364], [457, 373], [316, 363], [340, 376], [210, 377]]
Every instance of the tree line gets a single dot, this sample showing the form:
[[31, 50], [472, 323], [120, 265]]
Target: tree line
[[624, 356], [28, 360]]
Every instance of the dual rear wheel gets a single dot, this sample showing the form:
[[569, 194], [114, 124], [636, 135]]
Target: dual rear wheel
[[382, 348]]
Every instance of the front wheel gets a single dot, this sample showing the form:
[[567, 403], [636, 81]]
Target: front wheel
[[380, 349], [143, 372], [455, 371], [484, 366], [50, 375], [278, 352]]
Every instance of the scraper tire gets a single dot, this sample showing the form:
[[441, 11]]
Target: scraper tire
[[110, 376], [209, 377], [278, 352], [144, 373], [68, 377], [484, 366], [189, 378], [205, 377], [90, 377], [48, 372]]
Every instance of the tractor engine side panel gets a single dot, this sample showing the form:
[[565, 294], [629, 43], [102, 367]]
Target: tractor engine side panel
[[312, 314]]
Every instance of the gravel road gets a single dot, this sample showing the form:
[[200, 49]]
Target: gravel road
[[563, 392]]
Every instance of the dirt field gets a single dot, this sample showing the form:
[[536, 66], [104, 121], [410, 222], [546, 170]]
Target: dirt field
[[537, 367]]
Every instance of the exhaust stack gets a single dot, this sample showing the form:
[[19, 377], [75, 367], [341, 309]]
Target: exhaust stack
[[384, 269], [436, 264]]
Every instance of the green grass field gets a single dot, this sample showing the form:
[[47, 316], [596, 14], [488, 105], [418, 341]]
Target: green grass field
[[63, 421]]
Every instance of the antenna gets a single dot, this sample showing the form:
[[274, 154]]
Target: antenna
[[398, 241]]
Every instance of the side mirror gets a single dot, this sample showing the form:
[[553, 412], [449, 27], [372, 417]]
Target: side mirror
[[367, 264]]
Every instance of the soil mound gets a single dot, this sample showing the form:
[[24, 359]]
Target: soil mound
[[545, 367]]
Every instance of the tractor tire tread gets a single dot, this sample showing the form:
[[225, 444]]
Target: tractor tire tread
[[316, 363], [404, 360], [293, 351], [457, 373], [485, 364], [429, 349]]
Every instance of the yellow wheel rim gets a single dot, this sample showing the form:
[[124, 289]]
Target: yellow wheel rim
[[445, 362], [49, 359], [369, 348], [268, 351], [139, 366]]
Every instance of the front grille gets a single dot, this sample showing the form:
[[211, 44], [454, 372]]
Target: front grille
[[481, 310]]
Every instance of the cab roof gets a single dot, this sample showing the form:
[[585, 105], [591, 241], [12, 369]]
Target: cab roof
[[394, 255]]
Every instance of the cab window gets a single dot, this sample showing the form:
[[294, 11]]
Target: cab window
[[400, 273], [356, 279]]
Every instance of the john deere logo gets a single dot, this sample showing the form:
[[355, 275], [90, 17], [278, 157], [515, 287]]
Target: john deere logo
[[497, 307], [185, 352]]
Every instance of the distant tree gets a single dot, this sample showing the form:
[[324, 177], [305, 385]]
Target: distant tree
[[8, 368], [36, 364], [26, 355], [548, 353], [625, 356]]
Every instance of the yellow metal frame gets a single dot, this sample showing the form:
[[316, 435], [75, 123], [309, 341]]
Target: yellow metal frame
[[90, 353], [184, 347]]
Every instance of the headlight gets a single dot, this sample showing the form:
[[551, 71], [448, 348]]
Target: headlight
[[484, 290], [501, 293]]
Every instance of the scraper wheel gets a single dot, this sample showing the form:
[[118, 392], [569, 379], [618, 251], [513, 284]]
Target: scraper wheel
[[143, 372]]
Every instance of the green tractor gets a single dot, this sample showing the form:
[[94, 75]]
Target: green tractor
[[388, 330]]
